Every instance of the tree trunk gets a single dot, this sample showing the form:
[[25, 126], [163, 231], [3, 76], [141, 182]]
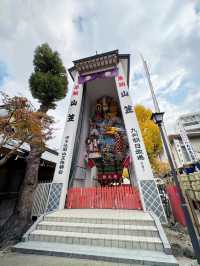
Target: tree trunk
[[43, 108], [24, 204], [20, 220]]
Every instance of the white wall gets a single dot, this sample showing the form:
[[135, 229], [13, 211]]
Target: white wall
[[195, 142]]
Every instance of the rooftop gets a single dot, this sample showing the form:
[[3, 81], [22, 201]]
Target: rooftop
[[98, 63]]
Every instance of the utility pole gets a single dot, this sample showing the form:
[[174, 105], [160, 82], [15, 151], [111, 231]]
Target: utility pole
[[158, 119], [156, 107]]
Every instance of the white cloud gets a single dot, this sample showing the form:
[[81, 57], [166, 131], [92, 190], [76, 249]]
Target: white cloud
[[166, 32]]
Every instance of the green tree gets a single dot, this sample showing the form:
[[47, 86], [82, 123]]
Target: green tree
[[48, 84]]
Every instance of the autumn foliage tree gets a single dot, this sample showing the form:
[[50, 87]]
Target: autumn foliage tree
[[159, 167], [152, 139], [20, 124]]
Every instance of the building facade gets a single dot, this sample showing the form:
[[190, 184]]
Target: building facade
[[187, 141], [191, 122]]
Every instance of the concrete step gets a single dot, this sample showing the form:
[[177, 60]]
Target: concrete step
[[118, 255], [113, 235], [118, 229], [103, 240], [102, 216]]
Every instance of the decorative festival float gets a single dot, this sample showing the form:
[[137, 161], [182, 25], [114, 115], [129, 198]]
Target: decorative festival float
[[103, 161], [107, 144]]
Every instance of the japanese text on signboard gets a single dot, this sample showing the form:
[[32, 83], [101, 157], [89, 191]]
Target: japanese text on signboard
[[122, 86], [63, 155], [71, 116], [136, 140]]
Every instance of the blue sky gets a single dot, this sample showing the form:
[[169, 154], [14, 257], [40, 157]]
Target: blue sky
[[167, 33]]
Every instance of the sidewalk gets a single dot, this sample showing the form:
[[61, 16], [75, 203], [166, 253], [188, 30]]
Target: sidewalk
[[17, 259]]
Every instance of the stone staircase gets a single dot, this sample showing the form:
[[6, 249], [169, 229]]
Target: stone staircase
[[126, 236]]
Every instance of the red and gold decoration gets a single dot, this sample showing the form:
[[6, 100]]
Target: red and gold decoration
[[107, 144]]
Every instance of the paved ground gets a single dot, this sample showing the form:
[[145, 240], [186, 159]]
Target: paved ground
[[17, 259]]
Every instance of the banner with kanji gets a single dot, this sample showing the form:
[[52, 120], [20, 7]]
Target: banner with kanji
[[63, 165], [136, 144]]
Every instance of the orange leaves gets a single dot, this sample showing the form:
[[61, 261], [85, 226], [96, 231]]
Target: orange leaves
[[152, 139], [143, 114], [41, 127], [150, 131], [22, 123], [159, 167]]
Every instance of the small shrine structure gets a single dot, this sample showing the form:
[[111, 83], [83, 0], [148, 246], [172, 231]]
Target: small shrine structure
[[103, 162]]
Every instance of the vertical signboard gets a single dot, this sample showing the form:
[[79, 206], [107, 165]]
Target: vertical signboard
[[192, 155], [148, 189], [139, 154], [179, 152], [59, 186]]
